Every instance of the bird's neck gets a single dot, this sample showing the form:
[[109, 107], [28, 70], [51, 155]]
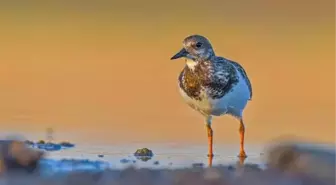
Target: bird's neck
[[191, 64]]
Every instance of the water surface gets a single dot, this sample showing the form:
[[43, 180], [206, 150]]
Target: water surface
[[165, 155]]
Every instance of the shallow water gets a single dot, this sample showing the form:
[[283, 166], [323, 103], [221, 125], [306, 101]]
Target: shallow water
[[165, 156]]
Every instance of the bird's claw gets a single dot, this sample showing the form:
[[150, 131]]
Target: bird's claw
[[242, 154]]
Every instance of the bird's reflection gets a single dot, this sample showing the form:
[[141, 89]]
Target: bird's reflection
[[210, 158], [240, 162], [144, 158]]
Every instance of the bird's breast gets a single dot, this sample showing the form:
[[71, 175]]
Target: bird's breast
[[202, 103]]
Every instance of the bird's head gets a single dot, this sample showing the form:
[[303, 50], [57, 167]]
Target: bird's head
[[195, 47]]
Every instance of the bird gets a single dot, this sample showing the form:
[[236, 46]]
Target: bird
[[213, 85]]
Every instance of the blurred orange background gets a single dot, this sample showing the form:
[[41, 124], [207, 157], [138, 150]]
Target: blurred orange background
[[101, 70]]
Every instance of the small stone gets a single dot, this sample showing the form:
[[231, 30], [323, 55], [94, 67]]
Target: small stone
[[67, 144], [197, 165], [41, 142], [156, 163], [144, 158], [143, 152], [124, 161], [231, 168]]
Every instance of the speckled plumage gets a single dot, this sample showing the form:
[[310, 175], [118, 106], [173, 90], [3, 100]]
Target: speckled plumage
[[216, 77], [213, 85], [213, 79], [208, 81]]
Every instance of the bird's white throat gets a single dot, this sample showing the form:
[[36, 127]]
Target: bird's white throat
[[191, 64]]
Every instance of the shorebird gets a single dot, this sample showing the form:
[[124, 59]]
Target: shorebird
[[213, 85]]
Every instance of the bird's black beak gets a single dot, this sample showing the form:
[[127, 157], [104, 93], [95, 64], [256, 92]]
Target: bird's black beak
[[182, 53]]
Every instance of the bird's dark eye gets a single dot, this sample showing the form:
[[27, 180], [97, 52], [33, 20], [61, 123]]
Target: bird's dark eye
[[198, 44]]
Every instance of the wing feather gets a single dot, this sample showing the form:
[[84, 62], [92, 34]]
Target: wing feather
[[243, 73]]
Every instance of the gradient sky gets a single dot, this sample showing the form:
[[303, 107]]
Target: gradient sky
[[101, 70]]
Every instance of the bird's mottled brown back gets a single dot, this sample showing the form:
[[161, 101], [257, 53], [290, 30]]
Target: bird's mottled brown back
[[216, 78]]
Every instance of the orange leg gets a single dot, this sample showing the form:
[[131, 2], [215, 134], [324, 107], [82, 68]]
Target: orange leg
[[242, 153], [210, 140]]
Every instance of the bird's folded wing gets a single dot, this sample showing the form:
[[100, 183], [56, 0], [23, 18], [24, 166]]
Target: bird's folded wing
[[244, 75], [222, 80]]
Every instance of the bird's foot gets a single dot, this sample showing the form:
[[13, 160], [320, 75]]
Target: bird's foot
[[242, 154]]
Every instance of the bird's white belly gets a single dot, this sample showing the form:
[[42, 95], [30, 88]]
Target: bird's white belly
[[232, 103], [204, 105]]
